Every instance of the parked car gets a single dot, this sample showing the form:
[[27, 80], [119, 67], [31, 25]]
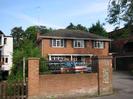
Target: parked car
[[75, 67], [82, 67], [67, 66]]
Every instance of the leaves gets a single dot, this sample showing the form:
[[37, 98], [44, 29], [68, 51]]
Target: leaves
[[78, 27], [120, 11], [24, 46], [98, 29]]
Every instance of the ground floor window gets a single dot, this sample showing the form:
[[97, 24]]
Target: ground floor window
[[70, 58], [60, 58], [79, 58]]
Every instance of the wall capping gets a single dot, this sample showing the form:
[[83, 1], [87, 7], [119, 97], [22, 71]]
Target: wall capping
[[33, 58]]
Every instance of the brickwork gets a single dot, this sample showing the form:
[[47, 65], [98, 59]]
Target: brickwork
[[33, 76], [47, 49], [60, 85], [104, 74]]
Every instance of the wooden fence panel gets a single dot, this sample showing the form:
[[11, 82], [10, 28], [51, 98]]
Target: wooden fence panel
[[16, 90]]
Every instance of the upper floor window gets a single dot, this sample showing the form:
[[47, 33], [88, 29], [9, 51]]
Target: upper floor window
[[57, 42], [78, 43], [98, 44]]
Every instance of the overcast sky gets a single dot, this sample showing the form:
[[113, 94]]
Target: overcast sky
[[51, 13]]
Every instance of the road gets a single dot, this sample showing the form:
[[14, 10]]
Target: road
[[123, 87]]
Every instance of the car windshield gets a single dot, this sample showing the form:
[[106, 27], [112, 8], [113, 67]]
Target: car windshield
[[68, 64], [80, 64]]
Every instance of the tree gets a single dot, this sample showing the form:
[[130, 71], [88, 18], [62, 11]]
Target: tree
[[71, 27], [98, 29], [26, 47], [31, 32], [78, 27], [17, 34], [120, 11], [82, 28]]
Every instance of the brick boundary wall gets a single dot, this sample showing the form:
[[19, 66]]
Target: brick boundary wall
[[68, 85], [40, 86]]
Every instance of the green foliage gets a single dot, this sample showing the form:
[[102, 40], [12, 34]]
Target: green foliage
[[98, 29], [26, 47], [17, 34], [16, 75], [43, 66], [31, 32], [95, 28], [120, 11], [78, 27]]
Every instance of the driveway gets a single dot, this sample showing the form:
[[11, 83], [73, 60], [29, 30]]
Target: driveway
[[123, 87]]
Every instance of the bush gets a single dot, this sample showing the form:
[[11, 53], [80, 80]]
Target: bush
[[43, 66]]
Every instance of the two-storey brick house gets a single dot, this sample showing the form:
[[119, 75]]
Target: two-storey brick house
[[72, 45]]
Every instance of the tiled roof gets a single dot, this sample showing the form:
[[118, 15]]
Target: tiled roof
[[72, 34]]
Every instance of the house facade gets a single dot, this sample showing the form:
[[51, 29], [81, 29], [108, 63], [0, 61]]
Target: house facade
[[6, 51], [72, 45]]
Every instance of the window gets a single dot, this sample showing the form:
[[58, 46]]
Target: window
[[98, 44], [78, 43], [5, 40], [57, 58], [6, 60], [57, 42]]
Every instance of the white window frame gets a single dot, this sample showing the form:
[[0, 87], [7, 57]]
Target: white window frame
[[98, 44], [58, 43], [80, 42], [58, 58]]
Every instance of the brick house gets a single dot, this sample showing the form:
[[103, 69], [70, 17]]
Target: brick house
[[72, 45]]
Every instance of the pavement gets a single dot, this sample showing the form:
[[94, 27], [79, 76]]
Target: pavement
[[123, 87]]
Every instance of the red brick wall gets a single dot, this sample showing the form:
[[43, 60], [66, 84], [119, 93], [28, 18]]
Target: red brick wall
[[68, 84], [47, 49], [33, 76]]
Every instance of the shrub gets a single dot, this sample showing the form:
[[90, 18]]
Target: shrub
[[43, 66]]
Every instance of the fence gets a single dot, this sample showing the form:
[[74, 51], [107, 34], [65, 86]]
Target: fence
[[17, 90]]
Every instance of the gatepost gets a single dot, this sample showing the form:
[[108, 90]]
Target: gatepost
[[33, 78], [105, 75]]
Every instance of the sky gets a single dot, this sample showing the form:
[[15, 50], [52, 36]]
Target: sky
[[56, 14]]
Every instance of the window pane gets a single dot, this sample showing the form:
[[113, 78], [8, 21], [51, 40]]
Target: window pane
[[79, 43], [98, 44], [53, 42], [62, 43], [58, 42]]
